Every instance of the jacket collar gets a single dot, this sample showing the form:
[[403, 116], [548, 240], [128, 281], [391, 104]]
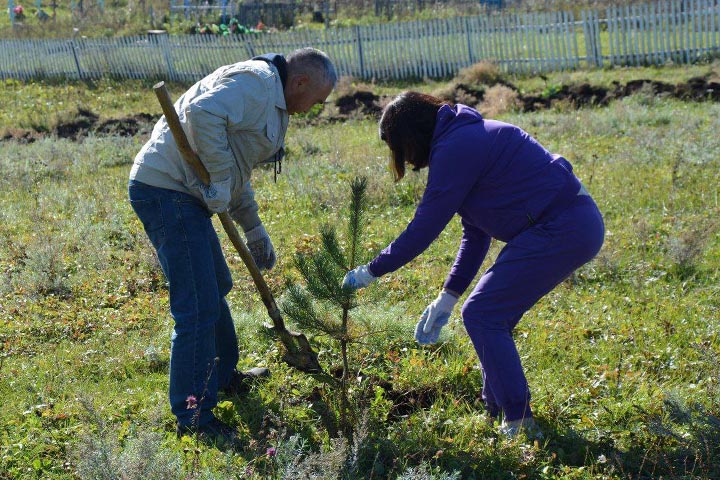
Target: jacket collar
[[278, 61]]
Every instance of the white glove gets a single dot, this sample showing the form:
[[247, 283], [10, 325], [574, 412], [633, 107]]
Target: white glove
[[435, 317], [216, 195], [358, 278], [261, 248]]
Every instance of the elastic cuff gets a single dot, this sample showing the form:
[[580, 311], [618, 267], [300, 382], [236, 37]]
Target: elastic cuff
[[455, 285], [451, 292], [517, 411], [248, 219], [256, 233]]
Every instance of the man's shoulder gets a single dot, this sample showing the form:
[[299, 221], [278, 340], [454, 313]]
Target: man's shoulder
[[251, 70]]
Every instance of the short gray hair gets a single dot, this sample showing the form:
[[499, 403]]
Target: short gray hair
[[313, 62]]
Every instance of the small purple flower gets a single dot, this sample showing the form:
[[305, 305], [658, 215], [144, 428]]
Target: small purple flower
[[271, 452], [191, 402]]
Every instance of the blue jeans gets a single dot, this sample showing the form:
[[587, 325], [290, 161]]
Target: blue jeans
[[180, 228]]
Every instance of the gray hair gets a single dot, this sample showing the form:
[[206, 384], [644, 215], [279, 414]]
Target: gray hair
[[314, 63]]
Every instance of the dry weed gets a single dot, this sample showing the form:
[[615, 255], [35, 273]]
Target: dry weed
[[499, 99], [481, 73]]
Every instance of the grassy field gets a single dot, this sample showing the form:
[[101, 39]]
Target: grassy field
[[622, 358]]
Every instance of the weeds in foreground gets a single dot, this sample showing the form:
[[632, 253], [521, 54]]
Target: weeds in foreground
[[103, 455]]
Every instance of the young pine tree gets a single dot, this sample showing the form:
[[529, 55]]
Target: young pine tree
[[322, 305]]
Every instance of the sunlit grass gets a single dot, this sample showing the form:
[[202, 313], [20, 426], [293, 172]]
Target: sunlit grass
[[621, 358]]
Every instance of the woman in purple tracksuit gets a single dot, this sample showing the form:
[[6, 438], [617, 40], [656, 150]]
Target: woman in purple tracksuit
[[503, 184]]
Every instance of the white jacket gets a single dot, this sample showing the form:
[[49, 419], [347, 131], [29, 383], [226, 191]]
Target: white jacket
[[235, 119]]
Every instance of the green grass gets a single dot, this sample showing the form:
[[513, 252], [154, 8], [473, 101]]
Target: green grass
[[621, 358]]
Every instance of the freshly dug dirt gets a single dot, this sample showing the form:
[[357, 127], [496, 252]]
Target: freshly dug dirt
[[366, 103], [77, 127], [695, 89], [362, 101], [126, 127], [83, 123], [20, 135]]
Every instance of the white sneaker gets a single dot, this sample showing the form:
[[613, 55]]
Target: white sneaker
[[512, 428]]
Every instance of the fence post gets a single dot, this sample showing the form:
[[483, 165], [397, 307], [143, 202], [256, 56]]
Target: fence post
[[11, 11], [75, 54], [590, 29], [361, 60], [589, 52], [469, 41], [161, 39]]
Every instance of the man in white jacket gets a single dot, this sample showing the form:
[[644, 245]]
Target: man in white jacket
[[235, 119]]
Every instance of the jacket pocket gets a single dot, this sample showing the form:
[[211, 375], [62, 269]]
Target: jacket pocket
[[272, 129]]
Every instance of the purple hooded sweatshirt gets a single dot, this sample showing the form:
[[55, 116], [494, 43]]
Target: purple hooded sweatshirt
[[495, 176]]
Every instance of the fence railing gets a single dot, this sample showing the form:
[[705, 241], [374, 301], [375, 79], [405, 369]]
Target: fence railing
[[681, 31]]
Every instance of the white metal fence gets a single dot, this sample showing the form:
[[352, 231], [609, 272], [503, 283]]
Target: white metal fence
[[682, 31]]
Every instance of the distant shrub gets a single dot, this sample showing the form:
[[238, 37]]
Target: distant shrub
[[446, 92], [461, 93], [348, 85], [481, 73], [499, 99]]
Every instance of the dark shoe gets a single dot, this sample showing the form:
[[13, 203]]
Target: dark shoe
[[240, 382], [214, 432]]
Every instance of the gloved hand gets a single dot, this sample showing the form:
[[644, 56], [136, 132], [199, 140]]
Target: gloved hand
[[435, 317], [261, 248], [216, 195], [358, 278]]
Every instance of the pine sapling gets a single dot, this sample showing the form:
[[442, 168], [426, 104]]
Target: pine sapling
[[314, 306]]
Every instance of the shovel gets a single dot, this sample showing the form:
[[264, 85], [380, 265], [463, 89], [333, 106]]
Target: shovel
[[298, 352]]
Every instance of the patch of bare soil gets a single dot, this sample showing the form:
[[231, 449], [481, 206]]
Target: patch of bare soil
[[20, 135], [363, 103], [366, 103], [77, 127], [127, 126], [695, 89], [82, 123]]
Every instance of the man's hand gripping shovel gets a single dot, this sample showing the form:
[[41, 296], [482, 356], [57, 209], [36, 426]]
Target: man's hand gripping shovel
[[298, 352]]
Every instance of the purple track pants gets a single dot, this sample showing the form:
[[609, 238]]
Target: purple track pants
[[529, 267]]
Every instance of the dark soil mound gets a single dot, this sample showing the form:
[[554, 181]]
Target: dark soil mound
[[695, 89], [126, 127], [580, 95], [364, 102], [21, 136], [698, 89], [83, 123], [79, 126]]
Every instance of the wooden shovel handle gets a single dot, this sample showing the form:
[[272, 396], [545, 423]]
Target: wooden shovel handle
[[173, 121]]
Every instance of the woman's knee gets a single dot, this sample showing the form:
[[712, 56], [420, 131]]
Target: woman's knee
[[478, 321]]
